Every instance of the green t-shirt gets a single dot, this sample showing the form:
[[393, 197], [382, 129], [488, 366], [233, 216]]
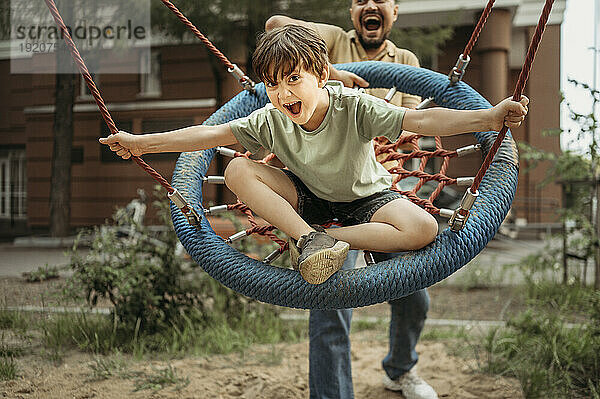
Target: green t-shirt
[[337, 160]]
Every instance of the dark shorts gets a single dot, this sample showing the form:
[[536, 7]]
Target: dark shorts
[[316, 210]]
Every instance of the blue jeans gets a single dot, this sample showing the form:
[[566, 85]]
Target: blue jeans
[[330, 372]]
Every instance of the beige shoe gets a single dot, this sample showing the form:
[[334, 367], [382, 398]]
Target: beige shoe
[[320, 256], [295, 251]]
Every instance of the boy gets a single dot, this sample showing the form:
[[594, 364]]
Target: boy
[[322, 132]]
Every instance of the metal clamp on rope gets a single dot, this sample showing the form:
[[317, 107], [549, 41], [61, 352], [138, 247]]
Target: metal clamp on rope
[[457, 73], [228, 152], [465, 181], [214, 179], [190, 213], [237, 236], [369, 259], [241, 77], [215, 209], [461, 215], [427, 103], [390, 94], [272, 256], [446, 213], [470, 149]]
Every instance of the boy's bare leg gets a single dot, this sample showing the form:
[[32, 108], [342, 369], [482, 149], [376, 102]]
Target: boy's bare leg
[[269, 193], [397, 226]]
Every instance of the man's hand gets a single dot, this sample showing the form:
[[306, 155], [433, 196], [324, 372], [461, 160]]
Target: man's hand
[[509, 113], [124, 144], [349, 79]]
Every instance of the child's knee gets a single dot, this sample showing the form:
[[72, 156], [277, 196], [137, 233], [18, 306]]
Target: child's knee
[[425, 231], [237, 171]]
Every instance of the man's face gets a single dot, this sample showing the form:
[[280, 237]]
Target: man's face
[[373, 20]]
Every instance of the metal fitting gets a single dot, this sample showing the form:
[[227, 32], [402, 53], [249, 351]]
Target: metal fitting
[[427, 103], [215, 209], [465, 181], [241, 77], [461, 215], [470, 149], [237, 236], [190, 213], [228, 152], [390, 94], [214, 179], [446, 213], [369, 259], [457, 73], [272, 256]]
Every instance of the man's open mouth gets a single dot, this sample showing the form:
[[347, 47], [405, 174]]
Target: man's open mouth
[[372, 22], [294, 107]]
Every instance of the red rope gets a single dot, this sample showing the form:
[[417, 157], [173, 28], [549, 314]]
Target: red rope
[[475, 35], [94, 90], [199, 35], [533, 46]]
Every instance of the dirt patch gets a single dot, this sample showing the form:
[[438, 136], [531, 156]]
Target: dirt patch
[[279, 371]]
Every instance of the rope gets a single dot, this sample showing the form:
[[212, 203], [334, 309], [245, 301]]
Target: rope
[[475, 35], [96, 93], [199, 34], [241, 77], [523, 76]]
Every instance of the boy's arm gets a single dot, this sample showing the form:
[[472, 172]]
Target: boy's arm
[[447, 122], [191, 138]]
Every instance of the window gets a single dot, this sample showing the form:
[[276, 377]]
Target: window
[[13, 184], [150, 74]]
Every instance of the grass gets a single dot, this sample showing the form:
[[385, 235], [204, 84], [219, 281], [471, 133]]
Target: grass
[[443, 333], [103, 335], [160, 379], [43, 273], [8, 368], [104, 367], [551, 358], [14, 320]]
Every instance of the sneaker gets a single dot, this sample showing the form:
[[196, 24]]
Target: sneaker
[[411, 385], [295, 251], [320, 256]]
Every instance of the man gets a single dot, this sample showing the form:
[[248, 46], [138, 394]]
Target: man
[[330, 374]]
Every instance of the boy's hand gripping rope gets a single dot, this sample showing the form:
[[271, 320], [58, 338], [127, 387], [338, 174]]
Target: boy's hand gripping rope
[[461, 215], [189, 212]]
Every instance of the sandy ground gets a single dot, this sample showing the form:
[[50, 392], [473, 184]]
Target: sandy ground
[[279, 371]]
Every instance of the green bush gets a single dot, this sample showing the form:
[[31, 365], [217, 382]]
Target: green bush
[[149, 285], [550, 357]]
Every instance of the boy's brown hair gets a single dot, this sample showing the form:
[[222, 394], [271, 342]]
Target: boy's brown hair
[[280, 51]]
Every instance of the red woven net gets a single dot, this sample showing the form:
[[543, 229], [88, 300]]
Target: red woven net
[[395, 157]]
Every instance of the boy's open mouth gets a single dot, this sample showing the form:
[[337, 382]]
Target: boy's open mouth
[[372, 22], [294, 107]]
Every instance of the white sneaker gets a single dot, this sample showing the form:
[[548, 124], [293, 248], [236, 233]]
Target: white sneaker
[[411, 385]]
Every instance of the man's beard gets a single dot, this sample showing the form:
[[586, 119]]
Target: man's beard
[[372, 43]]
